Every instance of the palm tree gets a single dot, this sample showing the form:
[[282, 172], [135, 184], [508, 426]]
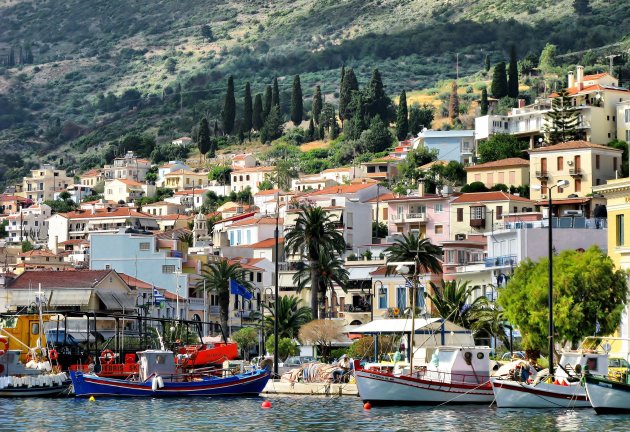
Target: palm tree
[[291, 316], [217, 275], [412, 248], [314, 231], [451, 302], [330, 270]]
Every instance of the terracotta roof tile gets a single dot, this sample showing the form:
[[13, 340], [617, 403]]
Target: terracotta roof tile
[[481, 197], [257, 221], [382, 197], [588, 89], [129, 182], [573, 145], [263, 244], [503, 163], [341, 189], [59, 279], [103, 213], [134, 282], [37, 252], [595, 76]]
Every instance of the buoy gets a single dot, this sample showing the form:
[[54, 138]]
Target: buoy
[[91, 399], [266, 405], [367, 406]]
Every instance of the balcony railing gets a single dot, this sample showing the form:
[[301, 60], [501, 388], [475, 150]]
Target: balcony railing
[[575, 172], [416, 217], [357, 309], [478, 223], [542, 174], [502, 261]]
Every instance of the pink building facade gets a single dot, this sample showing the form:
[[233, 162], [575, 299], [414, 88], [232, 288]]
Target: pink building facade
[[427, 215]]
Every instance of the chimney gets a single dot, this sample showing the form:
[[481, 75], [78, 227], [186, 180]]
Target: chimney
[[580, 75], [56, 244], [421, 188], [521, 103], [571, 80]]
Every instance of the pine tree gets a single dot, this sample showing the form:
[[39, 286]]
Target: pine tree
[[453, 103], [272, 129], [246, 126], [402, 117], [377, 101], [229, 108], [484, 102], [311, 130], [267, 102], [28, 54], [203, 137], [257, 116], [513, 74], [487, 64], [499, 86], [316, 110], [297, 104], [582, 7], [562, 119], [348, 86], [275, 94]]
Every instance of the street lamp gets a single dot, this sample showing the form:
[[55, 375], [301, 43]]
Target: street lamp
[[561, 183], [403, 269], [381, 291]]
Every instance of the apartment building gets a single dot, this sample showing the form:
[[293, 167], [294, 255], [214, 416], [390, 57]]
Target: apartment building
[[43, 183], [129, 167], [510, 172]]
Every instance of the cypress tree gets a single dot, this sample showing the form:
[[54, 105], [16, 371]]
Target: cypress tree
[[229, 108], [513, 74], [203, 137], [275, 94], [348, 86], [499, 86], [334, 127], [402, 117], [272, 129], [11, 58], [311, 130], [246, 126], [377, 101], [343, 74], [317, 104], [453, 103], [321, 132], [484, 102], [267, 103], [257, 116], [216, 128], [297, 105], [487, 65]]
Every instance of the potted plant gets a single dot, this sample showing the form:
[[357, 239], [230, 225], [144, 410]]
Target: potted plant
[[367, 255]]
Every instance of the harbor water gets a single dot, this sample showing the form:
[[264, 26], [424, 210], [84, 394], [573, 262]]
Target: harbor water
[[288, 413]]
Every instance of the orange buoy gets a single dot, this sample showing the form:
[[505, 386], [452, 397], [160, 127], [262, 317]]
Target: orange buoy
[[367, 406], [266, 405]]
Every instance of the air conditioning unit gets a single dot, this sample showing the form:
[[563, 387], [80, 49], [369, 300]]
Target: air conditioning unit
[[570, 163], [573, 213], [460, 236]]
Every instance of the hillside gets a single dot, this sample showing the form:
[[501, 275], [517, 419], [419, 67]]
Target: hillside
[[102, 68]]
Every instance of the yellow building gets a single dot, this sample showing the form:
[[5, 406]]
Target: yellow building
[[510, 172], [43, 183], [583, 164], [92, 178], [184, 179]]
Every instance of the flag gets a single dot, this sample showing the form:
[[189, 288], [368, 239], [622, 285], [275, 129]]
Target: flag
[[598, 327], [409, 283], [238, 289], [157, 297]]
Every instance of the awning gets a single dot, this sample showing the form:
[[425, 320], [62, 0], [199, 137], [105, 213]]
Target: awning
[[109, 300], [422, 325], [74, 297], [360, 273], [125, 301], [22, 297]]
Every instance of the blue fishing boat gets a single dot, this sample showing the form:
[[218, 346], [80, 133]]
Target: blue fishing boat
[[159, 376]]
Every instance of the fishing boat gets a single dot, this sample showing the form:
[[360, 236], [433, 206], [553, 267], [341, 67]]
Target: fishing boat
[[540, 390], [207, 354], [159, 376], [455, 375], [607, 396]]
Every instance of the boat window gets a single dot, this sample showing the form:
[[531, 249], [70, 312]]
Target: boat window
[[592, 363], [159, 359], [479, 355], [8, 322], [35, 328]]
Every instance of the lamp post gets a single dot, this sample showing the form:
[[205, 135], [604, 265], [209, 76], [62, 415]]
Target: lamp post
[[177, 274], [404, 271], [561, 183], [381, 290]]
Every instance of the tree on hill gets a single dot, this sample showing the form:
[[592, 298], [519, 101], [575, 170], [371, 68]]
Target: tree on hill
[[402, 117], [621, 145], [408, 168], [273, 127], [589, 297], [377, 101], [487, 63], [229, 108], [378, 137], [297, 104], [275, 94], [248, 112], [311, 130], [267, 102], [513, 74], [327, 117], [582, 7], [547, 61], [203, 137], [453, 103], [500, 146], [499, 86], [316, 109], [483, 105], [420, 117], [562, 119], [206, 33], [257, 114], [349, 85]]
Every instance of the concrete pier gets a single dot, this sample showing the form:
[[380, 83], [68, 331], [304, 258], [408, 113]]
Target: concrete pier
[[300, 388]]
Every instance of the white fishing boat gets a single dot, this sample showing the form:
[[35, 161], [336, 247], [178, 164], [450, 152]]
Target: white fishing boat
[[32, 379], [607, 396], [564, 390]]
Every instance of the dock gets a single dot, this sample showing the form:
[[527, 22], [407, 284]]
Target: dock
[[302, 388]]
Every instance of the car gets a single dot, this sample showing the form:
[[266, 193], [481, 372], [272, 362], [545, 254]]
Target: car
[[618, 368], [59, 337]]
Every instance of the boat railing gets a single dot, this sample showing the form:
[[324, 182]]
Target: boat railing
[[448, 377]]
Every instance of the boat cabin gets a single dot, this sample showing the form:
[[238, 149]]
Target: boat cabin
[[158, 362], [459, 364], [575, 362], [10, 365]]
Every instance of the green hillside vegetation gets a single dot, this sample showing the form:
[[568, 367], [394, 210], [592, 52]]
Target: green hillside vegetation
[[76, 76]]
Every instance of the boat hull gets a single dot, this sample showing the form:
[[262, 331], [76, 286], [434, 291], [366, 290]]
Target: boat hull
[[380, 388], [253, 383], [514, 394], [608, 397], [35, 391]]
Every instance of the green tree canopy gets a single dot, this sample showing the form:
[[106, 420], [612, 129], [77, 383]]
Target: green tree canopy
[[453, 102], [248, 111], [273, 127], [483, 106], [257, 114], [587, 290], [286, 347], [547, 61], [513, 74], [420, 117], [292, 314], [378, 137], [563, 119], [499, 86], [349, 85], [475, 187], [402, 117], [500, 146], [203, 137], [275, 94], [297, 104], [267, 102], [316, 109], [377, 101], [246, 338], [229, 107], [221, 174]]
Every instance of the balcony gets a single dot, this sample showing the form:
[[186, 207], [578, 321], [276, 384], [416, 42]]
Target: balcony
[[542, 174], [357, 309], [502, 261], [416, 217], [575, 172], [478, 223], [396, 218]]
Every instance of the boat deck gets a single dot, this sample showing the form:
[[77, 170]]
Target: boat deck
[[299, 388]]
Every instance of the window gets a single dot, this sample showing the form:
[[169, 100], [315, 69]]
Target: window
[[615, 164], [168, 269], [247, 177], [476, 212], [620, 230], [144, 246], [501, 178], [438, 208], [499, 212], [420, 297], [512, 177], [543, 188], [578, 185], [477, 177], [439, 229], [490, 179], [258, 277], [401, 298], [460, 214], [560, 161], [382, 298], [596, 161], [627, 116]]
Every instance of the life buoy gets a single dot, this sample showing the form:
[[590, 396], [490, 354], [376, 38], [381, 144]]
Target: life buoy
[[5, 344], [107, 356], [53, 354]]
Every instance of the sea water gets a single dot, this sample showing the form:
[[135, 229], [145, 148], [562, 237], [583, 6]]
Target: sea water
[[288, 413]]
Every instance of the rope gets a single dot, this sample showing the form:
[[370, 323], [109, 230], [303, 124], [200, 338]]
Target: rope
[[463, 394]]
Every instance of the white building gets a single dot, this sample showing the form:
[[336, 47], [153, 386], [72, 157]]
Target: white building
[[29, 224], [128, 167], [77, 192], [127, 191], [251, 177]]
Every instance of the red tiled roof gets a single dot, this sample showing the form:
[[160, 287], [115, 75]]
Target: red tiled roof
[[341, 189], [74, 242], [381, 271], [573, 145], [267, 192], [246, 266], [267, 243], [257, 221], [342, 169], [503, 163], [425, 197], [481, 197], [562, 201], [134, 282], [162, 203], [240, 156], [37, 252], [169, 234], [129, 182], [175, 217], [103, 213], [588, 89], [595, 76], [59, 279], [382, 197], [91, 173], [237, 217], [255, 169]]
